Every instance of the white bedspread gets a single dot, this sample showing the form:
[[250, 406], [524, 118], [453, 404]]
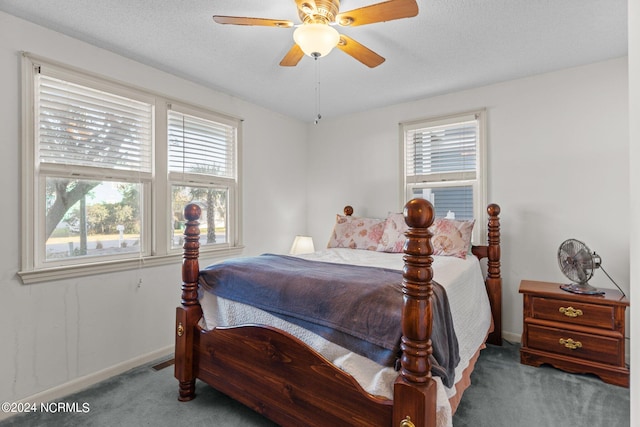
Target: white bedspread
[[469, 303]]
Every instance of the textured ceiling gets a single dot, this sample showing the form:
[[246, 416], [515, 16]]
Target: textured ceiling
[[451, 45]]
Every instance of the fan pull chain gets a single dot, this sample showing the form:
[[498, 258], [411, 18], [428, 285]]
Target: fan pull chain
[[318, 115]]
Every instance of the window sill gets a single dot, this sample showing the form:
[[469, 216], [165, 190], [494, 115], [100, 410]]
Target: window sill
[[95, 268]]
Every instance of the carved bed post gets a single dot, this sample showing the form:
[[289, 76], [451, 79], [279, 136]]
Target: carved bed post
[[188, 315], [494, 278], [415, 390]]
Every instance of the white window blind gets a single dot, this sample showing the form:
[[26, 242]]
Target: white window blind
[[442, 153], [98, 192], [81, 126], [201, 146], [444, 163]]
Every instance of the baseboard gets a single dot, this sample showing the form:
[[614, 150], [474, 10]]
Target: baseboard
[[81, 383], [511, 337]]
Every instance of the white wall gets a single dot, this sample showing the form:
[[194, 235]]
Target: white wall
[[558, 166], [54, 333], [58, 332]]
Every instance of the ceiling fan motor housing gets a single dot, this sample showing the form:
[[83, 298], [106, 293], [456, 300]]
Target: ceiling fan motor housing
[[324, 12]]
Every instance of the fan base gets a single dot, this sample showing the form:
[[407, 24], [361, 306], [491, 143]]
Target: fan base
[[584, 289]]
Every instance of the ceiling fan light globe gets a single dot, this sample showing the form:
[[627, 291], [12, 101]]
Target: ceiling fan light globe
[[315, 39]]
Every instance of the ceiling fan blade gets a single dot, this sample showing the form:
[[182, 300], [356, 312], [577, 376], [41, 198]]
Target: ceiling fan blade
[[307, 6], [263, 22], [359, 52], [292, 57], [379, 12]]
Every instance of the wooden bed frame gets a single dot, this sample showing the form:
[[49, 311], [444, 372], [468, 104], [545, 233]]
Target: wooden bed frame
[[283, 379]]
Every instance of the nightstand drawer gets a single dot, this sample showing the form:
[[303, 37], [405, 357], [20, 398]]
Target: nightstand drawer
[[578, 313], [584, 346]]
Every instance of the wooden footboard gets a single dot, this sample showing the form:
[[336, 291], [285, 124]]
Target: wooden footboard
[[280, 377]]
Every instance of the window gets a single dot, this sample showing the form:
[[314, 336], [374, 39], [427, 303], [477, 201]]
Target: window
[[443, 162], [202, 169], [108, 169]]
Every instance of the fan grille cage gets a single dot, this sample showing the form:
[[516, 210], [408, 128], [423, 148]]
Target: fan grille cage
[[576, 261]]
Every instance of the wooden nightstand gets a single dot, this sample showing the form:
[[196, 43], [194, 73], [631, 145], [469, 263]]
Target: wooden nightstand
[[575, 333]]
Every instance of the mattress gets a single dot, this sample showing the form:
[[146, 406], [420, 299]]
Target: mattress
[[464, 284]]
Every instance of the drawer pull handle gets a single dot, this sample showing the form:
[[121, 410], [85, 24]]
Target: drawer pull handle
[[569, 343], [407, 422], [570, 311]]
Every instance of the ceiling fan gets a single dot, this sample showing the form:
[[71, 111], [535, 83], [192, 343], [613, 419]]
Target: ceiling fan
[[316, 37]]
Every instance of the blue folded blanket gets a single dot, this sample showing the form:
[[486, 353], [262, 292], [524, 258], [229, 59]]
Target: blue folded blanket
[[357, 307]]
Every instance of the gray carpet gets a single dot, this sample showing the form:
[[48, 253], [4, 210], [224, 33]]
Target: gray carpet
[[503, 393]]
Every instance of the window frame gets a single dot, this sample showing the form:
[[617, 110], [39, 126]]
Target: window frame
[[155, 197], [453, 179], [230, 183]]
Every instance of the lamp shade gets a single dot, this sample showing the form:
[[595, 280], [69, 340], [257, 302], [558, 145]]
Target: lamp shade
[[302, 245], [316, 39]]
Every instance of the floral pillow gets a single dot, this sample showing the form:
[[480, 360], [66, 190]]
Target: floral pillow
[[356, 233], [451, 237], [393, 237]]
